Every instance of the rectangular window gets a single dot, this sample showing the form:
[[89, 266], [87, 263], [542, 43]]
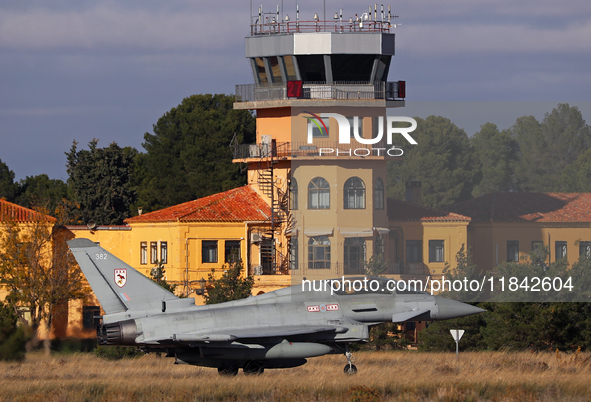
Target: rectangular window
[[512, 251], [260, 70], [359, 126], [322, 131], [560, 250], [375, 128], [209, 249], [436, 251], [153, 252], [143, 253], [164, 252], [275, 69], [585, 249], [293, 253], [319, 252], [90, 317], [232, 251], [290, 67], [414, 251]]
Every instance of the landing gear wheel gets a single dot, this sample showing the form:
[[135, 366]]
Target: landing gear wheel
[[253, 368], [228, 371], [350, 369]]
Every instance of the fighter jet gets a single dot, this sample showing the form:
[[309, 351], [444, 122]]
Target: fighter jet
[[279, 329]]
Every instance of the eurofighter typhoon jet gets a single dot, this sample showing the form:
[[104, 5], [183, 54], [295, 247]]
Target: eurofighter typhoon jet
[[279, 329]]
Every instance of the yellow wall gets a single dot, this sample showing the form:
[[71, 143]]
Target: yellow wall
[[454, 235], [489, 242], [184, 244]]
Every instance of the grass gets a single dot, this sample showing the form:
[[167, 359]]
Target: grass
[[394, 376]]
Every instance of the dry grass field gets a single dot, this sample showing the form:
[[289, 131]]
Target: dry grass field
[[390, 376]]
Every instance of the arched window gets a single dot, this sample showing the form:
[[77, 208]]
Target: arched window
[[378, 194], [319, 252], [318, 194], [293, 194], [354, 194]]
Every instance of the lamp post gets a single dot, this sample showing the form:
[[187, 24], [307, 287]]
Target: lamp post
[[201, 290]]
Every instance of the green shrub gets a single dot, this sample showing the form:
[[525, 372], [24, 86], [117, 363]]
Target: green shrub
[[12, 337], [117, 352]]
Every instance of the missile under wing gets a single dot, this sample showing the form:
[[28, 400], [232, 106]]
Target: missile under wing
[[279, 329]]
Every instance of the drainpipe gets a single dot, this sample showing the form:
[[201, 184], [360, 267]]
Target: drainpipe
[[187, 263]]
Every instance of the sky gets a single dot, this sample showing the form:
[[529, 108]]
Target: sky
[[74, 70]]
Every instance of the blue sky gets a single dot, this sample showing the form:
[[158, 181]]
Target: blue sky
[[78, 70]]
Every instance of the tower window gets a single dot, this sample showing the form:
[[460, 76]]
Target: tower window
[[319, 252], [378, 194], [354, 194], [293, 194], [318, 194]]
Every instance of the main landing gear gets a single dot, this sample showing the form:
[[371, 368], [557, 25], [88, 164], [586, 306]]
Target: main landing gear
[[252, 367], [349, 368]]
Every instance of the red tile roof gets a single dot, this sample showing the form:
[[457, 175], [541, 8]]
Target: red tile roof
[[236, 205], [406, 211], [532, 207], [13, 212]]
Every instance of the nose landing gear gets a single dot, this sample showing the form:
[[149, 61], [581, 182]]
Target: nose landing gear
[[349, 368]]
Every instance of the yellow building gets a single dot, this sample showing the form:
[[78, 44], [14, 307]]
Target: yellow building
[[507, 226], [423, 240], [189, 239], [38, 229]]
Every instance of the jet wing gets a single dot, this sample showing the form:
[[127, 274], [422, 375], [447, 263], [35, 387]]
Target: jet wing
[[229, 335]]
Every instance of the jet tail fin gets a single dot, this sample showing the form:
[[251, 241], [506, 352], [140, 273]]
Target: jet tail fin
[[117, 286]]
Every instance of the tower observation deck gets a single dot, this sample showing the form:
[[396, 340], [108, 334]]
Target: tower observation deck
[[321, 63]]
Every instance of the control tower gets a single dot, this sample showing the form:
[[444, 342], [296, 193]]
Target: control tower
[[320, 95]]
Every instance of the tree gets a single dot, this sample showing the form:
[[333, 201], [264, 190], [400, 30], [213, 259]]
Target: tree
[[188, 155], [443, 160], [37, 269], [465, 268], [498, 154], [158, 275], [376, 265], [8, 188], [547, 148], [576, 177], [41, 190], [100, 180], [437, 338], [231, 286]]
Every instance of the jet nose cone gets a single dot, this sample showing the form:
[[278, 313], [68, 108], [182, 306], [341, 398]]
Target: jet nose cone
[[449, 309]]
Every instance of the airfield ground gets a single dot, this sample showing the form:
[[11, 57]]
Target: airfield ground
[[392, 376]]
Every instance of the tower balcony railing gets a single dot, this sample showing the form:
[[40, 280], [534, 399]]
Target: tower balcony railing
[[272, 27], [304, 149], [340, 90]]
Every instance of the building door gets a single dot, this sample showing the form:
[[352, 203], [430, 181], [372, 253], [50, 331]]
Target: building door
[[267, 257], [354, 255]]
